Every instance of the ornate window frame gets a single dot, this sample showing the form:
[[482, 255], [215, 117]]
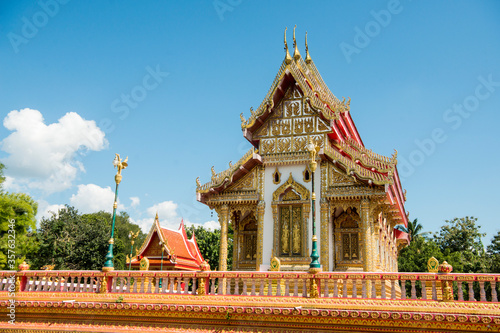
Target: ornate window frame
[[276, 173], [307, 171], [302, 199], [349, 213], [242, 233]]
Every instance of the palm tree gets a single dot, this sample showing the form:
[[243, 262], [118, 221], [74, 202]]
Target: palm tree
[[415, 230]]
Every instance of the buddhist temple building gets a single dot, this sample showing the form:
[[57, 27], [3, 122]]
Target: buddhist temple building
[[267, 194], [179, 252]]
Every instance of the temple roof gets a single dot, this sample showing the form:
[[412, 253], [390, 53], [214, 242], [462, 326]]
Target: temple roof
[[179, 252], [345, 149]]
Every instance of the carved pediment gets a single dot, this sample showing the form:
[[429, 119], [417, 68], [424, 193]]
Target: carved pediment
[[291, 190], [290, 125], [247, 183], [338, 178]]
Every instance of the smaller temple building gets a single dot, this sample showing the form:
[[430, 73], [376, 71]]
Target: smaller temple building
[[179, 252]]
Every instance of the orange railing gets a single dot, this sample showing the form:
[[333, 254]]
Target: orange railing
[[413, 286]]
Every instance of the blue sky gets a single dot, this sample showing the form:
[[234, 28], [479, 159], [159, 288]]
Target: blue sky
[[164, 82]]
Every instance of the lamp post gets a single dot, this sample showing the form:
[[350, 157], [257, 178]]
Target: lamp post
[[161, 264], [315, 266], [132, 236], [120, 165]]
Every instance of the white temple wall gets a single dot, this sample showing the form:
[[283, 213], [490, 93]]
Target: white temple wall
[[269, 188]]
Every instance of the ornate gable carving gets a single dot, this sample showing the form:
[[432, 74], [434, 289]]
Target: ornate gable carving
[[291, 190], [247, 183], [349, 219], [289, 127], [338, 178]]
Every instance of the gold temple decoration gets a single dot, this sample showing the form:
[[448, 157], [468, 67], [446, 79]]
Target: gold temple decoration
[[120, 165], [308, 57], [288, 58], [275, 265], [296, 53], [433, 265], [292, 184]]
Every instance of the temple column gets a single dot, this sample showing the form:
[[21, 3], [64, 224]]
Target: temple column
[[325, 236], [223, 212], [366, 228], [236, 241], [260, 233], [367, 235]]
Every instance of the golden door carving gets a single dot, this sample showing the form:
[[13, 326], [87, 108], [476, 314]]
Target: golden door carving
[[290, 233]]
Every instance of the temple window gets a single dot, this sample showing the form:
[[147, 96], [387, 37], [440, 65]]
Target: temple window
[[350, 246], [276, 176], [248, 238], [347, 227], [307, 174]]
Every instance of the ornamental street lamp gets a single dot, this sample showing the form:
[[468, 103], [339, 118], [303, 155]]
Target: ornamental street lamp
[[161, 265], [132, 236], [120, 165], [314, 267]]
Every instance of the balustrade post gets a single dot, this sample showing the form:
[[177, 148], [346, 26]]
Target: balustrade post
[[494, 297], [23, 280], [447, 289]]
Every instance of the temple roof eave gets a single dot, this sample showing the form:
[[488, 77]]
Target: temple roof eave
[[226, 178]]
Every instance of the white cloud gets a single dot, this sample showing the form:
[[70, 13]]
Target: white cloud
[[92, 198], [135, 202], [169, 217], [46, 210], [166, 210], [212, 225], [46, 156]]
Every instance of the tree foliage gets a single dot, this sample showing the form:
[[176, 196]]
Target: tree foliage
[[17, 210], [493, 253], [209, 244], [74, 241], [460, 242]]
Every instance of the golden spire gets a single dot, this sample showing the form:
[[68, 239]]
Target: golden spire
[[296, 54], [308, 57], [156, 217], [288, 58]]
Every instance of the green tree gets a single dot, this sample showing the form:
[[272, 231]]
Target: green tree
[[460, 242], [74, 241], [415, 230], [493, 252], [415, 256], [209, 244], [17, 223]]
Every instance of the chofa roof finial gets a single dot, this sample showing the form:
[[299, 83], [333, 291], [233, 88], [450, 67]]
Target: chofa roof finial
[[296, 54], [288, 58], [308, 57]]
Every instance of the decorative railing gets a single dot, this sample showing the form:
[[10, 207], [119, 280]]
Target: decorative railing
[[393, 286]]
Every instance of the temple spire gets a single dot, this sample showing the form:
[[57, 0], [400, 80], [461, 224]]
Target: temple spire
[[308, 57], [296, 53], [288, 58], [156, 217]]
